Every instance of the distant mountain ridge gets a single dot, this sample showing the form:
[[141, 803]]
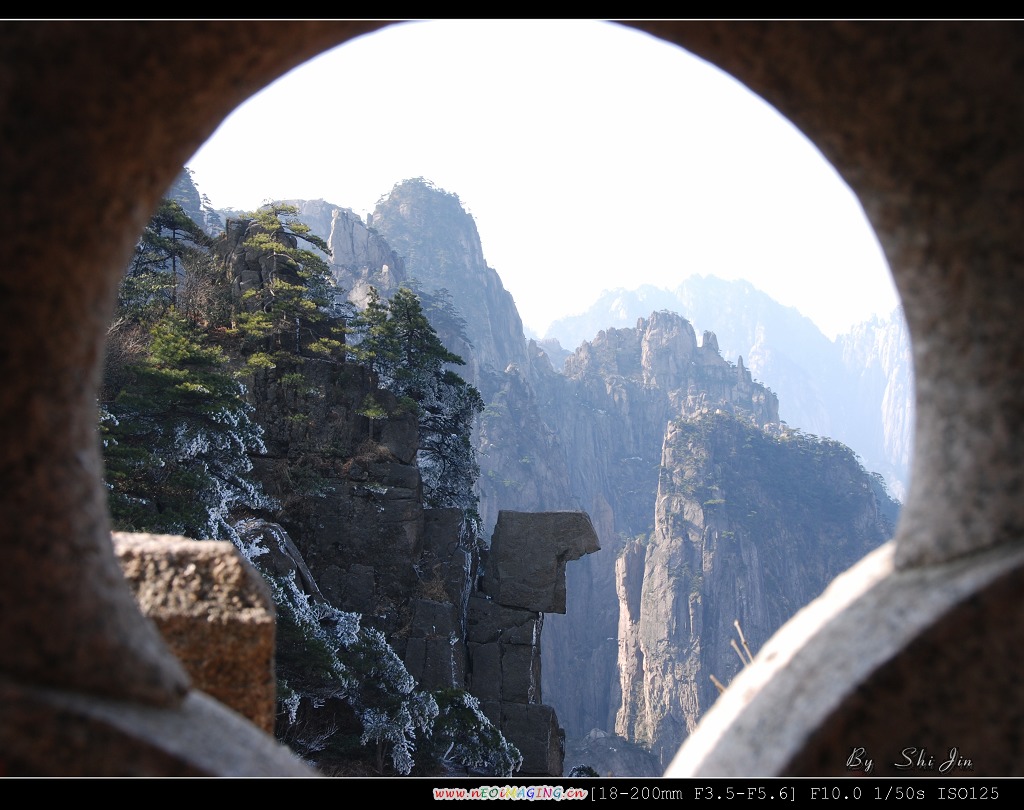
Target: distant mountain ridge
[[857, 389]]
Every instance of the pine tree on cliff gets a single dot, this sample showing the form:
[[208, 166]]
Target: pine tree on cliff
[[177, 438], [293, 309], [175, 426], [170, 245], [397, 341]]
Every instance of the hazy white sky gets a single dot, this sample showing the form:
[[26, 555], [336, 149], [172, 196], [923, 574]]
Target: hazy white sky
[[590, 155]]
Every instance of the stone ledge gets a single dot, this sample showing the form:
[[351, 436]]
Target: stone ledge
[[215, 612]]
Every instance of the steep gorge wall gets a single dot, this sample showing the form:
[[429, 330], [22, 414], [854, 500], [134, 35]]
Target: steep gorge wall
[[441, 247], [620, 392], [745, 543], [352, 527]]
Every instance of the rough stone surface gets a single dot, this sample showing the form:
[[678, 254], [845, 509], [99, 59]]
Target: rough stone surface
[[524, 577], [436, 646], [536, 732], [752, 549], [46, 732], [215, 612], [435, 652], [349, 502], [485, 675], [489, 621]]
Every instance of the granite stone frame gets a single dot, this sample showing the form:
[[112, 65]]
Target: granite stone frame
[[924, 120]]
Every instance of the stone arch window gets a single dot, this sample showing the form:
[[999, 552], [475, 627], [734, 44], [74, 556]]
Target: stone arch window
[[923, 120]]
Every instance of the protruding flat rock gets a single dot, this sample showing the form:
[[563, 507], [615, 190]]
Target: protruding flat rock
[[529, 551]]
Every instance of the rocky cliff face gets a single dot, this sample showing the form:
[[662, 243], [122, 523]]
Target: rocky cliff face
[[348, 485], [620, 392], [442, 251], [353, 532], [523, 462], [360, 257], [196, 205], [673, 450], [748, 526], [524, 579], [419, 236]]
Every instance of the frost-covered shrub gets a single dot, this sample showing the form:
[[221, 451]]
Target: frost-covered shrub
[[464, 737], [392, 709]]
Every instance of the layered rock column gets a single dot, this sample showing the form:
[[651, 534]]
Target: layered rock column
[[524, 578]]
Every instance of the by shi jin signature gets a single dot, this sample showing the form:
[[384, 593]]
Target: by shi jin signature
[[913, 758]]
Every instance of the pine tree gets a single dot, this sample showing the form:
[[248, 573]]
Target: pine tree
[[177, 439], [462, 735], [398, 342], [294, 309], [170, 243]]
